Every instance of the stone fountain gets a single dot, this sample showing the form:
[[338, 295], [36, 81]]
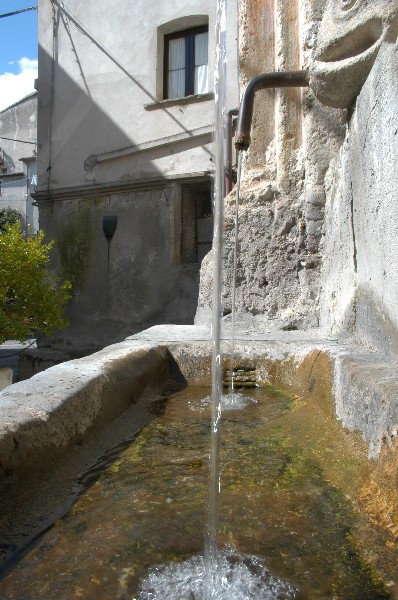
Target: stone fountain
[[316, 281]]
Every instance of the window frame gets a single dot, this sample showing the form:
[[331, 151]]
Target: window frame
[[189, 36], [194, 208]]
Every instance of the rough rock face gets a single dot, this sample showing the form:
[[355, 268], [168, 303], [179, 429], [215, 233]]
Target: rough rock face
[[317, 236], [281, 212], [349, 40], [275, 271]]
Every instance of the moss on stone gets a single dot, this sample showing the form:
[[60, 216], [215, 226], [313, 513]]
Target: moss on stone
[[74, 246]]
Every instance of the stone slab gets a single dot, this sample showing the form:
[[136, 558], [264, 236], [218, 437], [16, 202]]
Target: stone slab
[[5, 377], [58, 406]]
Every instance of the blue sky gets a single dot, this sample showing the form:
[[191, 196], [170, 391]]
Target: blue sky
[[18, 51]]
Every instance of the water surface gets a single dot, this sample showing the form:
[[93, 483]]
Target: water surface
[[290, 478]]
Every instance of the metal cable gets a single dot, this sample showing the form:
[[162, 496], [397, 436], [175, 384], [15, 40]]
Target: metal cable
[[18, 351], [17, 12]]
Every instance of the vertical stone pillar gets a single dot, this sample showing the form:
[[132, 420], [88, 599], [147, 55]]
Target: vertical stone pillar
[[288, 105], [324, 130], [257, 52], [270, 41]]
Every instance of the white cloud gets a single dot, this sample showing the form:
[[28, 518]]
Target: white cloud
[[13, 87]]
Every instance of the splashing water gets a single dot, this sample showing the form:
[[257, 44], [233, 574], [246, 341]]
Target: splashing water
[[234, 577], [232, 401]]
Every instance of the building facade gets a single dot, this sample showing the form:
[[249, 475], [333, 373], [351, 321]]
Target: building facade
[[18, 149], [125, 158]]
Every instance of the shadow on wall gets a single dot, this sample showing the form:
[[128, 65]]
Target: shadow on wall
[[105, 86], [139, 278]]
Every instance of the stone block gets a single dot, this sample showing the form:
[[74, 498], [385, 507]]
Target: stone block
[[5, 377]]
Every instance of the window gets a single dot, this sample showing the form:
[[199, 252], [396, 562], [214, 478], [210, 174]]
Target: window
[[186, 63], [196, 223]]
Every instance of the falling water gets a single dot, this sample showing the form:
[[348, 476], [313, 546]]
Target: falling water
[[239, 170], [219, 192], [217, 574], [233, 399]]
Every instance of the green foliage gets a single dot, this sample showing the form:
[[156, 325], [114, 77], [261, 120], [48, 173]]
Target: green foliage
[[9, 216], [31, 299]]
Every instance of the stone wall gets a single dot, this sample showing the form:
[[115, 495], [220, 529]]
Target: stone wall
[[294, 138], [317, 235], [360, 283], [135, 280], [355, 68]]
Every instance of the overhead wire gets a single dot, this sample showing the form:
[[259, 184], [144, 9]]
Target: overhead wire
[[17, 12], [2, 137], [55, 24]]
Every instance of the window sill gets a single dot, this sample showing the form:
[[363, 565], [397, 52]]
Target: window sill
[[179, 101]]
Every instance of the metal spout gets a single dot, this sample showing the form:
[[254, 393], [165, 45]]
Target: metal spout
[[278, 79]]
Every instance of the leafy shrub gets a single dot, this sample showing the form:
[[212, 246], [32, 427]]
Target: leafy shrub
[[32, 300], [9, 216]]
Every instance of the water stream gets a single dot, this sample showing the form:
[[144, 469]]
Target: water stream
[[219, 193], [235, 269]]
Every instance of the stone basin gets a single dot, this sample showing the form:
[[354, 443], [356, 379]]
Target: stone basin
[[63, 421]]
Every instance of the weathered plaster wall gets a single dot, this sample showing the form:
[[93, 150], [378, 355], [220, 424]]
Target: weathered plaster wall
[[110, 145], [19, 123], [142, 280], [101, 91]]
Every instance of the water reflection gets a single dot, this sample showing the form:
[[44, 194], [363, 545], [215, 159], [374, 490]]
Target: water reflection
[[287, 472]]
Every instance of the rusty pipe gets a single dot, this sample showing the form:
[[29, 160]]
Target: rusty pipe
[[277, 79], [228, 153]]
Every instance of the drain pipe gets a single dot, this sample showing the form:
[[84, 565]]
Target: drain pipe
[[228, 153], [278, 79]]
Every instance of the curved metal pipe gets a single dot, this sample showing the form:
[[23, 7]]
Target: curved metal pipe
[[228, 153], [278, 79]]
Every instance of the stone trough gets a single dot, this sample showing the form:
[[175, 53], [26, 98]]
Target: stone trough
[[58, 406], [67, 418]]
